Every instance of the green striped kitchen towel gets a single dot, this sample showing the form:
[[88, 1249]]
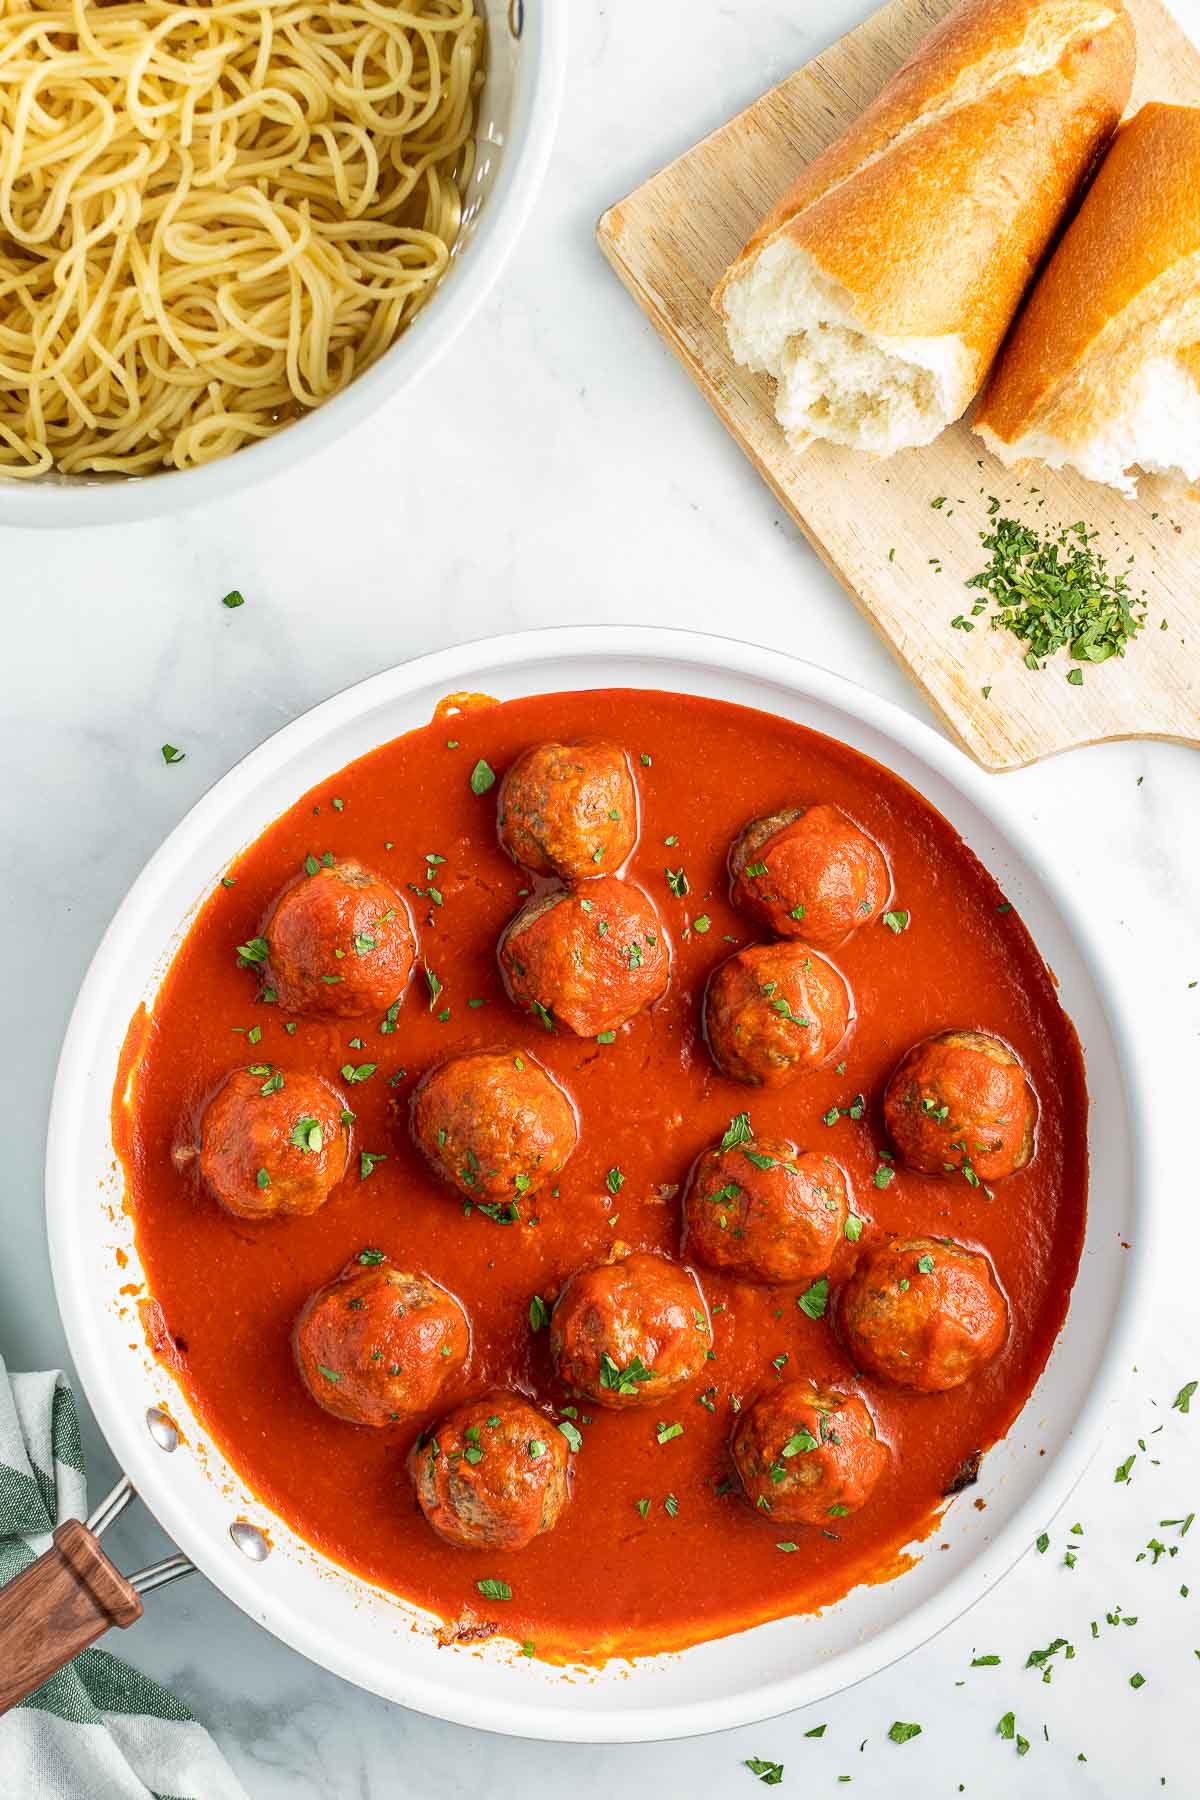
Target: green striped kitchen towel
[[98, 1730]]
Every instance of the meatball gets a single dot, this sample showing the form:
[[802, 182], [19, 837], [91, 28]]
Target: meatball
[[765, 1211], [592, 957], [340, 941], [923, 1313], [773, 1011], [961, 1102], [273, 1144], [493, 1476], [493, 1124], [809, 873], [569, 809], [378, 1345], [631, 1332], [807, 1455]]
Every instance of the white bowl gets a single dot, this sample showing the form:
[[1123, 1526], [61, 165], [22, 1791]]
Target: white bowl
[[527, 48], [369, 1637]]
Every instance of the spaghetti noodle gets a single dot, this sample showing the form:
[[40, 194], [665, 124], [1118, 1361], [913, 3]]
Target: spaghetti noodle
[[214, 214]]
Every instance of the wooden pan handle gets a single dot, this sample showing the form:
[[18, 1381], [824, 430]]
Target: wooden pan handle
[[57, 1607]]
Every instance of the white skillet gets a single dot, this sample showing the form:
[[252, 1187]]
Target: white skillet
[[376, 1640]]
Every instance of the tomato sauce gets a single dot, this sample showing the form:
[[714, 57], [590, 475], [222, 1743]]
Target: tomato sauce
[[699, 1563]]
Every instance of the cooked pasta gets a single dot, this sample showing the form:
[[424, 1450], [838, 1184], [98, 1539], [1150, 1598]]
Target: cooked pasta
[[214, 214]]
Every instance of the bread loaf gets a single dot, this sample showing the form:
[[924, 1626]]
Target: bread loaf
[[877, 291], [1102, 370]]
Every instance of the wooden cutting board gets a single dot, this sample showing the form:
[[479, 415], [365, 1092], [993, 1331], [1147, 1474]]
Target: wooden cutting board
[[671, 240]]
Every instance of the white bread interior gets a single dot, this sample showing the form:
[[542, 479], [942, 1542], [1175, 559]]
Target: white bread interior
[[1156, 432], [834, 378]]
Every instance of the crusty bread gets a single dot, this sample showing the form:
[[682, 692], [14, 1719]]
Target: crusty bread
[[1102, 369], [879, 288]]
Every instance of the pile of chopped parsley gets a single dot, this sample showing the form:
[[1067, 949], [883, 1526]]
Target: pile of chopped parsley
[[1054, 591]]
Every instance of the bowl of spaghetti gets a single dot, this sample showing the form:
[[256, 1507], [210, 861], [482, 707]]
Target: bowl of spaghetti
[[231, 228]]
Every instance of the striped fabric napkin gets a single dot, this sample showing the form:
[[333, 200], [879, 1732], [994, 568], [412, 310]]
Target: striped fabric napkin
[[98, 1730]]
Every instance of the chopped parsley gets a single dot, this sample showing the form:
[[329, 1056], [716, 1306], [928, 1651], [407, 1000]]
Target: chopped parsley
[[738, 1131], [367, 1161], [902, 1732], [625, 1381], [361, 1072], [483, 776], [769, 1773], [815, 1299], [307, 1135], [492, 1589], [1055, 592]]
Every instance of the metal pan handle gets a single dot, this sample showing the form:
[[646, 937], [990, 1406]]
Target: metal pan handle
[[70, 1597]]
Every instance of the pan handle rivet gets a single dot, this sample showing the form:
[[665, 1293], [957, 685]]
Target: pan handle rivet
[[250, 1540], [162, 1428]]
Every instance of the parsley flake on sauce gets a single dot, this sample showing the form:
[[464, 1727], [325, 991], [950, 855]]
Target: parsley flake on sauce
[[738, 1131], [492, 1589], [483, 776], [815, 1299], [362, 1072]]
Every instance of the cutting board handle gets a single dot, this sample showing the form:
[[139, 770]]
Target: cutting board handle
[[57, 1607]]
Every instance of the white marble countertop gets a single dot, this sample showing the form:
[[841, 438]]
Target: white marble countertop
[[560, 468]]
